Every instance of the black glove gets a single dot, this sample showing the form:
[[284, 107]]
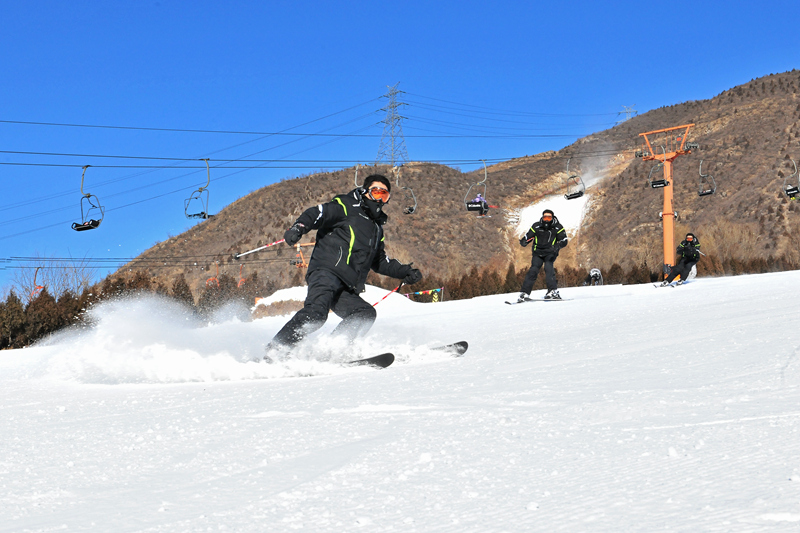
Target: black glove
[[413, 276], [523, 242], [293, 234]]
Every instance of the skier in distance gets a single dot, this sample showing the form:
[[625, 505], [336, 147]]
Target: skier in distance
[[349, 243], [594, 277], [548, 237], [689, 253]]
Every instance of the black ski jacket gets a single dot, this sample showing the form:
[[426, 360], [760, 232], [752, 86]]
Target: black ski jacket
[[689, 251], [546, 240], [349, 241]]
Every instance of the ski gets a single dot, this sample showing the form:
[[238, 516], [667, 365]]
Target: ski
[[381, 361], [540, 300], [456, 349]]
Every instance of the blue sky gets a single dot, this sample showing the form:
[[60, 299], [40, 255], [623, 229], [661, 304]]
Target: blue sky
[[480, 80]]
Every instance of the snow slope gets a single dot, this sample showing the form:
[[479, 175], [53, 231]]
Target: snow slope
[[628, 408], [570, 213]]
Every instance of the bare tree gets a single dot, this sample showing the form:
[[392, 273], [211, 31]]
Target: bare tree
[[58, 275]]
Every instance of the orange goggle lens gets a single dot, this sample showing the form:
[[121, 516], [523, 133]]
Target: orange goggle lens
[[378, 193], [547, 217]]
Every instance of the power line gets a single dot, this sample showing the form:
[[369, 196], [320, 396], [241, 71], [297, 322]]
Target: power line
[[490, 110], [175, 130]]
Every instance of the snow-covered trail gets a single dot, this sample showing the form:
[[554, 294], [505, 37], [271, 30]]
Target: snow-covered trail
[[628, 408]]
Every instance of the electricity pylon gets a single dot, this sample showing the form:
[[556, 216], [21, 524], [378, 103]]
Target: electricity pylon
[[629, 111], [393, 146]]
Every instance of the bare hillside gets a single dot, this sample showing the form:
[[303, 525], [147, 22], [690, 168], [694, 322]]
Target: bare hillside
[[747, 136]]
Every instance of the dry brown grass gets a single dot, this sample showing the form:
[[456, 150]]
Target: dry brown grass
[[281, 308]]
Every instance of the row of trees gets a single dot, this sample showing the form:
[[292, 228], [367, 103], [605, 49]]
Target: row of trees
[[22, 324]]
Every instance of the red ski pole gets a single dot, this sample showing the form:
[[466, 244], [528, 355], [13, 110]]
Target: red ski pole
[[387, 294]]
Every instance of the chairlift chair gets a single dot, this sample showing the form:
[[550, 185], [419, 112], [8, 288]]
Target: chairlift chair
[[707, 184], [656, 183], [479, 203], [575, 185], [90, 207], [242, 280], [198, 198], [411, 198], [36, 288], [215, 279], [660, 182], [410, 209], [792, 187]]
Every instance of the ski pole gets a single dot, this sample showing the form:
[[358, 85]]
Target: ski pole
[[387, 295], [237, 256]]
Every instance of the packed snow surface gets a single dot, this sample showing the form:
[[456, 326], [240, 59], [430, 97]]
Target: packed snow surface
[[627, 408]]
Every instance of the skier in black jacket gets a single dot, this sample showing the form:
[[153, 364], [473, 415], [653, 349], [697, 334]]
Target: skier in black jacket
[[349, 244], [548, 236], [689, 253]]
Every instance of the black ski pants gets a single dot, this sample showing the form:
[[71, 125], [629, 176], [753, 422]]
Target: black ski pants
[[682, 268], [326, 292], [549, 272]]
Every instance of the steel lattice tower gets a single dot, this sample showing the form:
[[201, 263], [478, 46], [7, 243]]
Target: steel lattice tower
[[393, 145], [628, 112]]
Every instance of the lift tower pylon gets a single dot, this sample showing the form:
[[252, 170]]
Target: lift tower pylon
[[671, 142]]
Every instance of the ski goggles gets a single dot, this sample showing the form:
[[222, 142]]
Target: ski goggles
[[547, 218], [690, 238], [379, 194]]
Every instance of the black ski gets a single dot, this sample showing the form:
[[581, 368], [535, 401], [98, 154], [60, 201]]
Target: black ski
[[381, 361], [456, 349], [540, 300]]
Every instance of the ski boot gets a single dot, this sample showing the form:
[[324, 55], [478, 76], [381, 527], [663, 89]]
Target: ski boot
[[523, 297], [276, 353], [552, 295]]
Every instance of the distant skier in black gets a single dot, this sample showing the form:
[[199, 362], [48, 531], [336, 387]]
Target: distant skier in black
[[594, 277], [689, 253], [548, 236], [349, 244]]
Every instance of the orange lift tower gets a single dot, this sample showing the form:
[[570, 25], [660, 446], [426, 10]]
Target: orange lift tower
[[672, 143]]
